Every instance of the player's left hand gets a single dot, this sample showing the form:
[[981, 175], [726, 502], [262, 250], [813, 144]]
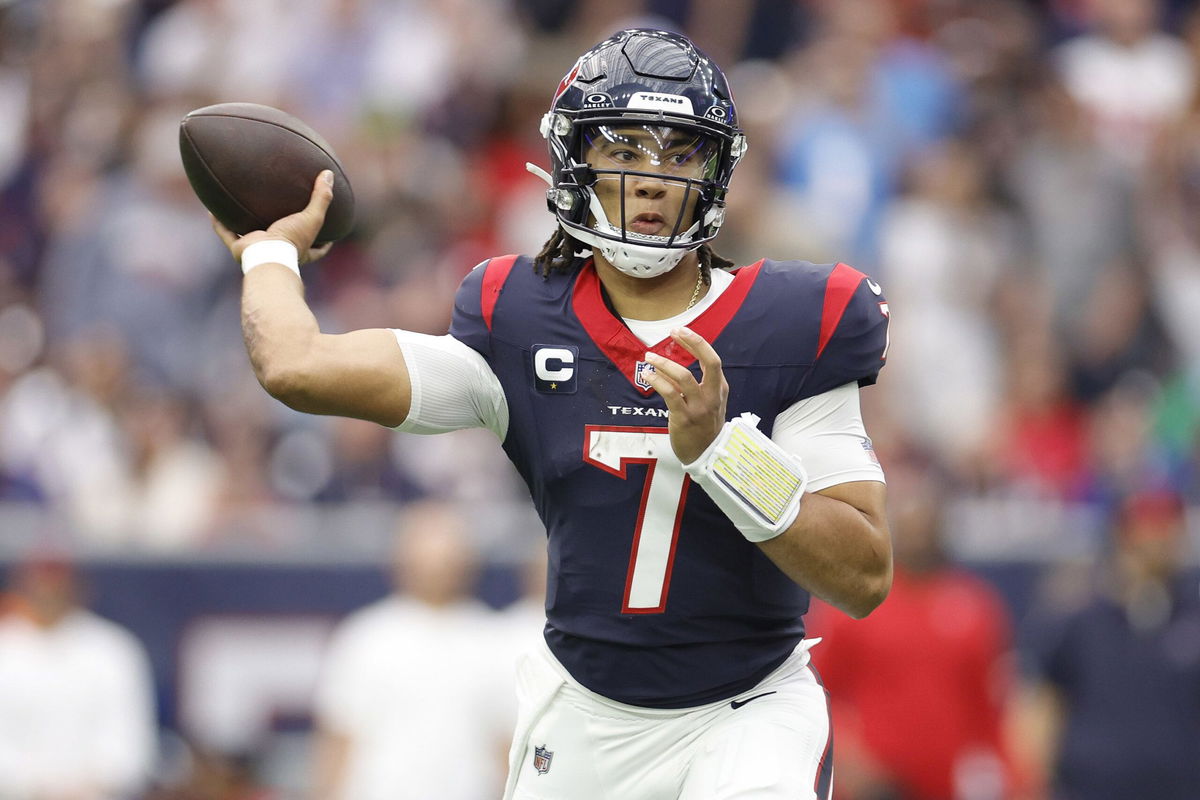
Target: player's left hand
[[697, 409]]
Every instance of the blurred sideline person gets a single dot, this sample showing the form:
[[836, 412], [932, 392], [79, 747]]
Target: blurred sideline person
[[413, 703], [937, 656], [1115, 712], [690, 434], [523, 622], [525, 617], [76, 694]]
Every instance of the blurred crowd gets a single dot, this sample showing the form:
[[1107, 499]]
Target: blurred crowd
[[1022, 177]]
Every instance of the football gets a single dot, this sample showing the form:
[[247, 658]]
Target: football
[[251, 164]]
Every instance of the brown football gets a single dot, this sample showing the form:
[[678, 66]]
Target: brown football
[[252, 164]]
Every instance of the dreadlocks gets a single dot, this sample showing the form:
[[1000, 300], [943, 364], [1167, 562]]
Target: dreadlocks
[[558, 255]]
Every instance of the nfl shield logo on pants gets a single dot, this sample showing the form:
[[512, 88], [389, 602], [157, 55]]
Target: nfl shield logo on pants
[[541, 759]]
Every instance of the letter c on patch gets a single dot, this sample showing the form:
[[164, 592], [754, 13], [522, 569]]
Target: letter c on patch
[[554, 364]]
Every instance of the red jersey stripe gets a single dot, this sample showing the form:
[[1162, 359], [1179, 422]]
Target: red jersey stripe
[[494, 276], [839, 288], [624, 349]]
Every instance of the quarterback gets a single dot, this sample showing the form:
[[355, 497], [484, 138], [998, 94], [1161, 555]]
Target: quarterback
[[689, 432]]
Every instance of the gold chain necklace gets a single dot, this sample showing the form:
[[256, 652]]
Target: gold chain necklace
[[696, 291]]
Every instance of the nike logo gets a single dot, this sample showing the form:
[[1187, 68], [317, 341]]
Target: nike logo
[[739, 703], [874, 287]]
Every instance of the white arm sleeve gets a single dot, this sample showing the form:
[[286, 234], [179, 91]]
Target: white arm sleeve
[[452, 387], [827, 432]]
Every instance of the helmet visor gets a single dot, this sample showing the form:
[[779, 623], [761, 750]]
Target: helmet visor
[[662, 149]]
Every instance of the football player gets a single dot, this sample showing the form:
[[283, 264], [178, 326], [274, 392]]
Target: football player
[[690, 434]]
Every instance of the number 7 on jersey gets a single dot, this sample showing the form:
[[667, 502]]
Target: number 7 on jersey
[[613, 449]]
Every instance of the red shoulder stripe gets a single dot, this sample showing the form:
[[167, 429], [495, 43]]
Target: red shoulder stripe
[[494, 276], [718, 315], [838, 290]]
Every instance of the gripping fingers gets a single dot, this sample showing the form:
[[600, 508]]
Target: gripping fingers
[[322, 194], [302, 227], [694, 343], [679, 375], [661, 382]]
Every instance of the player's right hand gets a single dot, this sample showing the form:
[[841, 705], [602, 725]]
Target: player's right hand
[[300, 229], [697, 409]]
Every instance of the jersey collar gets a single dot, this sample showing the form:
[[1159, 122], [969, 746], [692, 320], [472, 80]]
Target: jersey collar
[[624, 349]]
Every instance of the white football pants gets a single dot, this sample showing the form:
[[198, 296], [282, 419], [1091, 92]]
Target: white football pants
[[772, 742]]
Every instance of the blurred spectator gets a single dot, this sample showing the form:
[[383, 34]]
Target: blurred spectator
[[869, 98], [1118, 334], [58, 434], [1117, 709], [527, 614], [1169, 217], [443, 469], [117, 458], [1123, 453], [1057, 157], [524, 620], [164, 495], [1040, 441], [832, 152], [238, 425], [104, 261], [413, 703], [365, 466], [1131, 77], [207, 49], [76, 694], [945, 245], [920, 687]]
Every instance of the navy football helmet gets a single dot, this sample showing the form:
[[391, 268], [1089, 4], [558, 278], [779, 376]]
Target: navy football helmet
[[642, 105]]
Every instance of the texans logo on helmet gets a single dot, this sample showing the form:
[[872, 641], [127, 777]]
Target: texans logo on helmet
[[567, 80]]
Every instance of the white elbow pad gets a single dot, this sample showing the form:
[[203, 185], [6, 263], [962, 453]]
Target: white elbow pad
[[754, 481]]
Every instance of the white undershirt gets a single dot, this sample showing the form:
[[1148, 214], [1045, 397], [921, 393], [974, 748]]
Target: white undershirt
[[652, 332], [453, 387]]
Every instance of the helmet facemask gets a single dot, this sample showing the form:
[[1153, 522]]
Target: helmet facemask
[[643, 194], [645, 184], [643, 139]]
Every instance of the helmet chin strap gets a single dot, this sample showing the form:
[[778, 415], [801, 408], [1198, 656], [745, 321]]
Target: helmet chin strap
[[637, 260], [641, 255]]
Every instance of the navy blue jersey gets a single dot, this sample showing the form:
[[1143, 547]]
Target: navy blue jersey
[[654, 598]]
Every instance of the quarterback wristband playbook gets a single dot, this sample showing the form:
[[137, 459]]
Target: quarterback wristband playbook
[[754, 481], [271, 251]]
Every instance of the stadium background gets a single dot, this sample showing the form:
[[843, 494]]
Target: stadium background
[[1032, 217]]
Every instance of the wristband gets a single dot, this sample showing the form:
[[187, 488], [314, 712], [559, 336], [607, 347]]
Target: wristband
[[754, 481], [271, 251]]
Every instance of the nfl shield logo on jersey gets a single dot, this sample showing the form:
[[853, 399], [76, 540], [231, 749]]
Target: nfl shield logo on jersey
[[639, 374], [541, 759]]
